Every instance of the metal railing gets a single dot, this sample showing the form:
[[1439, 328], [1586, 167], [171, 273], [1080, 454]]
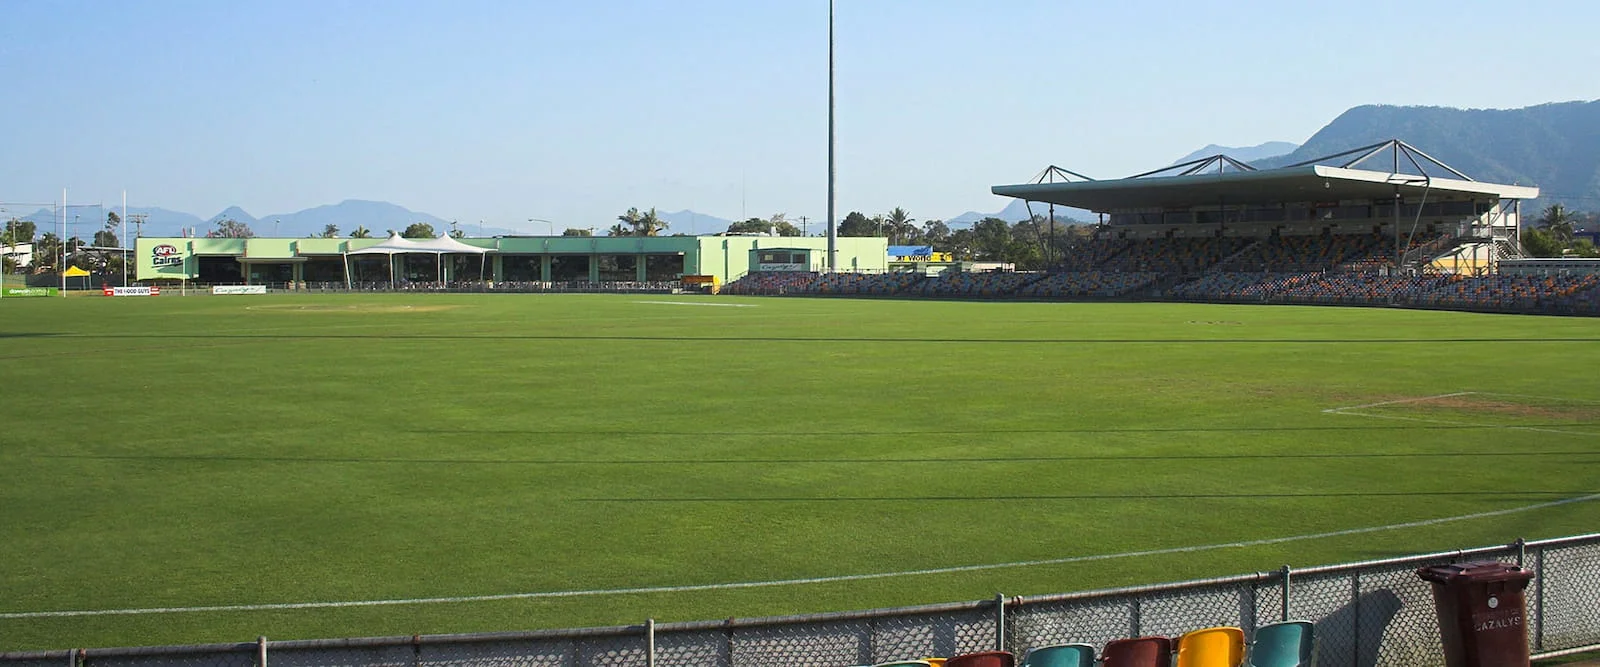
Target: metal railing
[[1368, 614]]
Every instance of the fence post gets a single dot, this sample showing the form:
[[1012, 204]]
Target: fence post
[[999, 622], [649, 642], [261, 651], [1134, 616], [1355, 619], [1286, 588], [1538, 599], [1522, 551]]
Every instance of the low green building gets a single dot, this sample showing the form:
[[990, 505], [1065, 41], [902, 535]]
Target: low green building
[[501, 259]]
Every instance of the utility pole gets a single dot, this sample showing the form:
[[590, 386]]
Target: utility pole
[[138, 230], [803, 231]]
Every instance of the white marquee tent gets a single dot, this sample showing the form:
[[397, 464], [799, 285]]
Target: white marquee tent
[[397, 245]]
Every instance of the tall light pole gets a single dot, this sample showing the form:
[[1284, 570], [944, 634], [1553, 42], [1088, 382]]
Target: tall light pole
[[549, 222], [125, 238], [833, 231]]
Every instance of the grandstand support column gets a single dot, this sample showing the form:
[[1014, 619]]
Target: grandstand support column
[[1049, 244], [1222, 216], [1397, 253]]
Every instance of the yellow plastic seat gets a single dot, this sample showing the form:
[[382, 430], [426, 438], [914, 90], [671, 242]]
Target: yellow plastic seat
[[1211, 647]]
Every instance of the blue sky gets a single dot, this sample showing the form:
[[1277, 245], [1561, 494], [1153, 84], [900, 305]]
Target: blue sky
[[575, 111]]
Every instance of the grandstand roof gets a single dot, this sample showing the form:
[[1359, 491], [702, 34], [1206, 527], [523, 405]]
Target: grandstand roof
[[1306, 181]]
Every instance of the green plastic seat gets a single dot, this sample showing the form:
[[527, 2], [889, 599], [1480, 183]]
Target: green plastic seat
[[1063, 655], [1287, 644]]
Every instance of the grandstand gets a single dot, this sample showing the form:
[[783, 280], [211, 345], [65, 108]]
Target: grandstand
[[1418, 233]]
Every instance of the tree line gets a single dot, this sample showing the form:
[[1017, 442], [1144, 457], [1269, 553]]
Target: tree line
[[1557, 234], [48, 248], [1030, 244]]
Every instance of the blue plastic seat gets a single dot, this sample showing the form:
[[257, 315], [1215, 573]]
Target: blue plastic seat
[[1287, 644], [1064, 655]]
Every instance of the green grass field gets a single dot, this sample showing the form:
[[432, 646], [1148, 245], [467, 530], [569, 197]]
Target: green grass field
[[205, 451]]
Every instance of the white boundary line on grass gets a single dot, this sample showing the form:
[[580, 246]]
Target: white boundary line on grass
[[1418, 399], [1351, 411], [789, 582]]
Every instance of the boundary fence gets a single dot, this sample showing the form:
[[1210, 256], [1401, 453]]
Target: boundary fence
[[1367, 614]]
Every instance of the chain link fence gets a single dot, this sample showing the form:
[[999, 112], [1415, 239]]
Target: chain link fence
[[1370, 614]]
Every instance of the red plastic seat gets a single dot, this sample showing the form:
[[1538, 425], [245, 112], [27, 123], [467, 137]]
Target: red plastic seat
[[1138, 652], [984, 659]]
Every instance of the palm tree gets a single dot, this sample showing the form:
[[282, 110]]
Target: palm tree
[[1558, 221], [639, 224], [650, 224], [46, 252], [898, 225], [361, 233], [620, 229], [630, 220]]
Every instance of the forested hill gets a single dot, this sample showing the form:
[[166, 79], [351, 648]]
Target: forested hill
[[1553, 146]]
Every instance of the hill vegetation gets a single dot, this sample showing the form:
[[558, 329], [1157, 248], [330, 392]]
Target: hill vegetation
[[1553, 146]]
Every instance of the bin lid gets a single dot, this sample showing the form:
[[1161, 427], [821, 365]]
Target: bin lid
[[1476, 571]]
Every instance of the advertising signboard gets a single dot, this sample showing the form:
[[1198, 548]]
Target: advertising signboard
[[132, 291], [239, 289], [29, 291]]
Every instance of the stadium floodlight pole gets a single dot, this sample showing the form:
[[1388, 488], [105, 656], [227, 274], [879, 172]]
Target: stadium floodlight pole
[[833, 230], [124, 238], [61, 269]]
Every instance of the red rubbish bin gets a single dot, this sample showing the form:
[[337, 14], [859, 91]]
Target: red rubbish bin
[[1483, 616]]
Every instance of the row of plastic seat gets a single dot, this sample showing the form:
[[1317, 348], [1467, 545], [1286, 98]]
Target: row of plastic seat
[[1087, 283], [1565, 294], [1283, 254], [1178, 255], [1286, 644], [976, 284], [774, 282]]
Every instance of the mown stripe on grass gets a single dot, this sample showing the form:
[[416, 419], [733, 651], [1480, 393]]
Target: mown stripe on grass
[[787, 582]]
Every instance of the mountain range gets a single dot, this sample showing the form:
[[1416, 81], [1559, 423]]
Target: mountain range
[[378, 217], [1555, 146], [1017, 210], [1264, 151]]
